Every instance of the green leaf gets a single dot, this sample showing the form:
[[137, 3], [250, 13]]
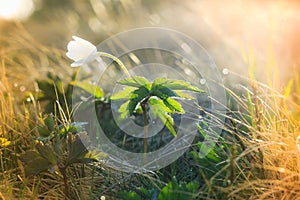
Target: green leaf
[[34, 163], [90, 88], [162, 92], [170, 124], [183, 95], [136, 97], [47, 152], [176, 84], [122, 94], [43, 131], [136, 81], [170, 192], [192, 187], [175, 191], [49, 121], [173, 105], [77, 151], [37, 166], [130, 196], [212, 155], [123, 110], [146, 193], [29, 156], [158, 105], [76, 148], [161, 110], [160, 81], [58, 144], [124, 107]]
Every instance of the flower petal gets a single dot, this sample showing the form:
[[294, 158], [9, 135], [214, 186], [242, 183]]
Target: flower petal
[[78, 63], [83, 41], [81, 51]]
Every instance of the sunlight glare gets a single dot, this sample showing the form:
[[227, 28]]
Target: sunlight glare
[[16, 9]]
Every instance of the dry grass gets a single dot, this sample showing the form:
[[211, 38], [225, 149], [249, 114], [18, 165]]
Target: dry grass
[[273, 170], [274, 128]]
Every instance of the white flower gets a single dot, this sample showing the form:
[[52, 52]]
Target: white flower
[[81, 51]]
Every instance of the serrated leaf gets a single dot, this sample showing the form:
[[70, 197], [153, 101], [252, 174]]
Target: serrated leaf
[[170, 124], [162, 92], [47, 152], [174, 105], [160, 81], [123, 94], [157, 105], [183, 95], [123, 115], [34, 163], [176, 84], [75, 147], [136, 81], [29, 156], [37, 166], [123, 110], [49, 121], [123, 107], [43, 131], [77, 151], [136, 97], [160, 111], [92, 89], [58, 145]]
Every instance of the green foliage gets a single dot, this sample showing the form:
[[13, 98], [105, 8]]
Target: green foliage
[[172, 191], [159, 95], [56, 154], [51, 90], [91, 88], [178, 191], [58, 147]]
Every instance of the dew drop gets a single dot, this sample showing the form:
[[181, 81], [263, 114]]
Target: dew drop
[[225, 71], [202, 81]]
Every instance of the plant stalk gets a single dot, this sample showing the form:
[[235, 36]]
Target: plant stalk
[[143, 105], [63, 171], [117, 60]]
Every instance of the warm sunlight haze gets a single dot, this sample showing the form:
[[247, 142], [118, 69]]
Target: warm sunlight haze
[[16, 9]]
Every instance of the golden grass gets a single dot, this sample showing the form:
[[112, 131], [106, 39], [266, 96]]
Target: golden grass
[[274, 170], [274, 129]]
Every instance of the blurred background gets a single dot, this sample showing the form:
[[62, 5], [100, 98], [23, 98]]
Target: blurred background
[[259, 37]]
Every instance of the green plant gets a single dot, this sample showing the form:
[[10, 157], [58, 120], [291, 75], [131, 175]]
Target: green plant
[[57, 149], [52, 90], [174, 190], [159, 95]]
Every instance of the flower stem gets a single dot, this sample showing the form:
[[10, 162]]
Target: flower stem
[[143, 105], [117, 60]]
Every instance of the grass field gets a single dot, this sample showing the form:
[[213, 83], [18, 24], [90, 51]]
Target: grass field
[[257, 156]]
